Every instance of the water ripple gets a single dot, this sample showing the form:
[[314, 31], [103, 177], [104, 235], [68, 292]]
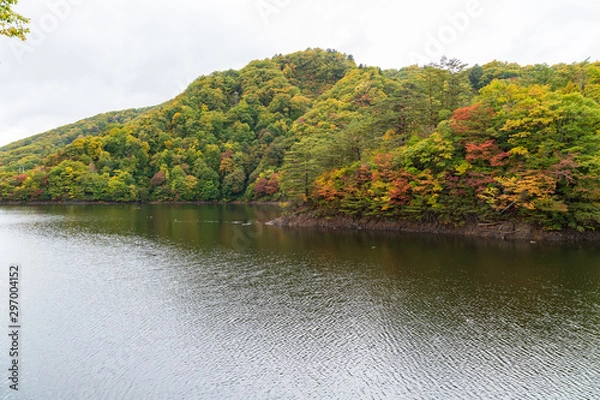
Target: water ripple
[[120, 314]]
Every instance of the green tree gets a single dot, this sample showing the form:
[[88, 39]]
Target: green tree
[[12, 24], [351, 144], [234, 184], [475, 75], [121, 187], [63, 180], [400, 114], [177, 182], [301, 166]]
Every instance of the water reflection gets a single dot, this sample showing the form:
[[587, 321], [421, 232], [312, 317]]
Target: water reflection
[[192, 301]]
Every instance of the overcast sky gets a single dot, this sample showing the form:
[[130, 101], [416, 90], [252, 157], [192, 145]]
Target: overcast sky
[[85, 57]]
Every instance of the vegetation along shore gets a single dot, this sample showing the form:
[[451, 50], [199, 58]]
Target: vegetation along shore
[[495, 150]]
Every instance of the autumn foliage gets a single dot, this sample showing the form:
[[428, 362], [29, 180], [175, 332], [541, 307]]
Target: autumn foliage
[[442, 143]]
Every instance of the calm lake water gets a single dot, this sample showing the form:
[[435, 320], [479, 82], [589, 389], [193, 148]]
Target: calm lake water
[[205, 302]]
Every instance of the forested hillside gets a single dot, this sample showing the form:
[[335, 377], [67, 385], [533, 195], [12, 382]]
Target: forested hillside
[[443, 142], [30, 152]]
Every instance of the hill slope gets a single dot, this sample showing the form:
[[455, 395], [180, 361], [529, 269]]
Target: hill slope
[[29, 152], [438, 143]]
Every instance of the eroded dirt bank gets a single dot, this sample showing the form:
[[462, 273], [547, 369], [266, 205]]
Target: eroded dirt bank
[[500, 230]]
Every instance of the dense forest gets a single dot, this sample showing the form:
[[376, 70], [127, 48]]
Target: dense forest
[[443, 142]]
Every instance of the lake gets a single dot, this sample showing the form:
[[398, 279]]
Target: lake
[[206, 302]]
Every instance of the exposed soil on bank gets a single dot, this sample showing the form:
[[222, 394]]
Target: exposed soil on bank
[[499, 230]]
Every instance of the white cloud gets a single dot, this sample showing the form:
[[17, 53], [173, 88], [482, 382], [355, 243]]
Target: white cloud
[[114, 54]]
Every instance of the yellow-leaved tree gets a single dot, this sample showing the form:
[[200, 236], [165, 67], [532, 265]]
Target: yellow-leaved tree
[[11, 23]]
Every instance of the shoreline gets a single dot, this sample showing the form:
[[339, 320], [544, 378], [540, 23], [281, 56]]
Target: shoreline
[[116, 203], [503, 230], [513, 231]]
